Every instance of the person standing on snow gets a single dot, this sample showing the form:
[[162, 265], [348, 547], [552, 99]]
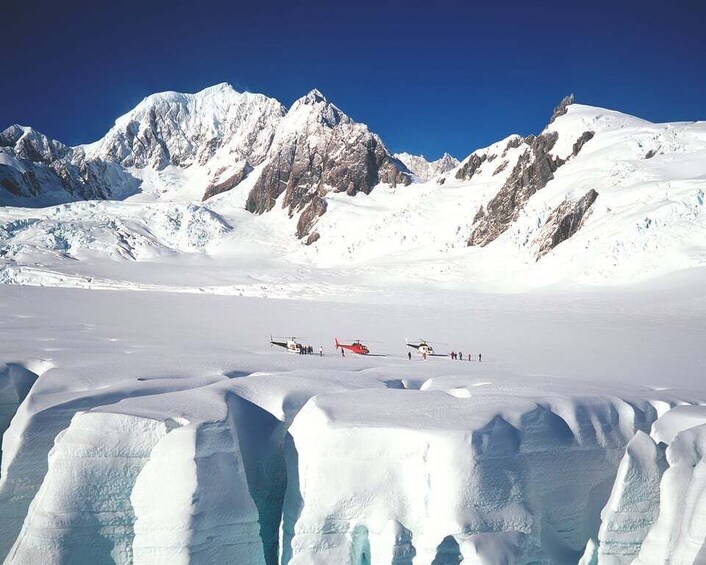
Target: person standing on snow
[[460, 356], [409, 355], [479, 357], [343, 352], [321, 350], [469, 356]]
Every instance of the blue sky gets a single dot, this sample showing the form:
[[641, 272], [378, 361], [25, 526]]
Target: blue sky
[[427, 76]]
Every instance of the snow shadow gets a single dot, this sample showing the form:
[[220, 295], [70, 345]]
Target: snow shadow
[[448, 552], [262, 439], [237, 374]]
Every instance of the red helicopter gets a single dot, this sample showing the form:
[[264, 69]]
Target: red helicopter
[[355, 347]]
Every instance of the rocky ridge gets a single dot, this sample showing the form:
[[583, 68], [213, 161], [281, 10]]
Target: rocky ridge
[[318, 149], [36, 169], [210, 142]]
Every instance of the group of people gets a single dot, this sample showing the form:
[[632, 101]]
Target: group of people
[[306, 350], [459, 356], [454, 355]]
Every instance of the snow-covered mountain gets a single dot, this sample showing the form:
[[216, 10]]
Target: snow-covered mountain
[[427, 170], [191, 147], [318, 149], [38, 171], [621, 193]]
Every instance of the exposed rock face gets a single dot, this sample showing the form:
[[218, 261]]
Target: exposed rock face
[[534, 169], [318, 149], [233, 177], [501, 167], [42, 171], [472, 164], [427, 170], [316, 207], [562, 108], [581, 141], [470, 167], [514, 142], [563, 222]]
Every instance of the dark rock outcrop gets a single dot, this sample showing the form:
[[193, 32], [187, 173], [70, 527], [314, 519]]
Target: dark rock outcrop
[[581, 141], [501, 167], [479, 215], [318, 149], [564, 221], [534, 169], [233, 179], [514, 142], [562, 108], [313, 238], [471, 166], [316, 208]]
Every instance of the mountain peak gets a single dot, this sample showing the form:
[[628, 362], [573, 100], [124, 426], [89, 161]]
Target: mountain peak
[[314, 108], [220, 88], [10, 135], [314, 96]]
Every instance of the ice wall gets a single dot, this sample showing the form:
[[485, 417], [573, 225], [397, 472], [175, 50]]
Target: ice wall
[[82, 513], [192, 503], [47, 410], [678, 537], [472, 477], [634, 502], [15, 384]]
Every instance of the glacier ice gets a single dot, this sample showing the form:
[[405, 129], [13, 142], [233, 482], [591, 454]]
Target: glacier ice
[[526, 481], [679, 534], [634, 502]]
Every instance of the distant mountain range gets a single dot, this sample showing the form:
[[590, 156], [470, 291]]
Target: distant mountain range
[[621, 188]]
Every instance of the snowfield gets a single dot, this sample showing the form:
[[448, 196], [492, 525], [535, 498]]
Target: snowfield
[[146, 418], [163, 428]]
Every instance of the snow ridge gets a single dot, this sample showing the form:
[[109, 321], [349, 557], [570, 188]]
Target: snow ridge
[[427, 170]]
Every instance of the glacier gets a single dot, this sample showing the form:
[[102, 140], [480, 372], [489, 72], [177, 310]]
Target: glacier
[[178, 435], [146, 419]]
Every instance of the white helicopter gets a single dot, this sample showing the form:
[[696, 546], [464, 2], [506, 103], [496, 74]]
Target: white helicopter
[[291, 345], [423, 348]]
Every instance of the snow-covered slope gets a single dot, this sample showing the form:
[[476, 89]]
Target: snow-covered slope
[[624, 195], [162, 427]]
